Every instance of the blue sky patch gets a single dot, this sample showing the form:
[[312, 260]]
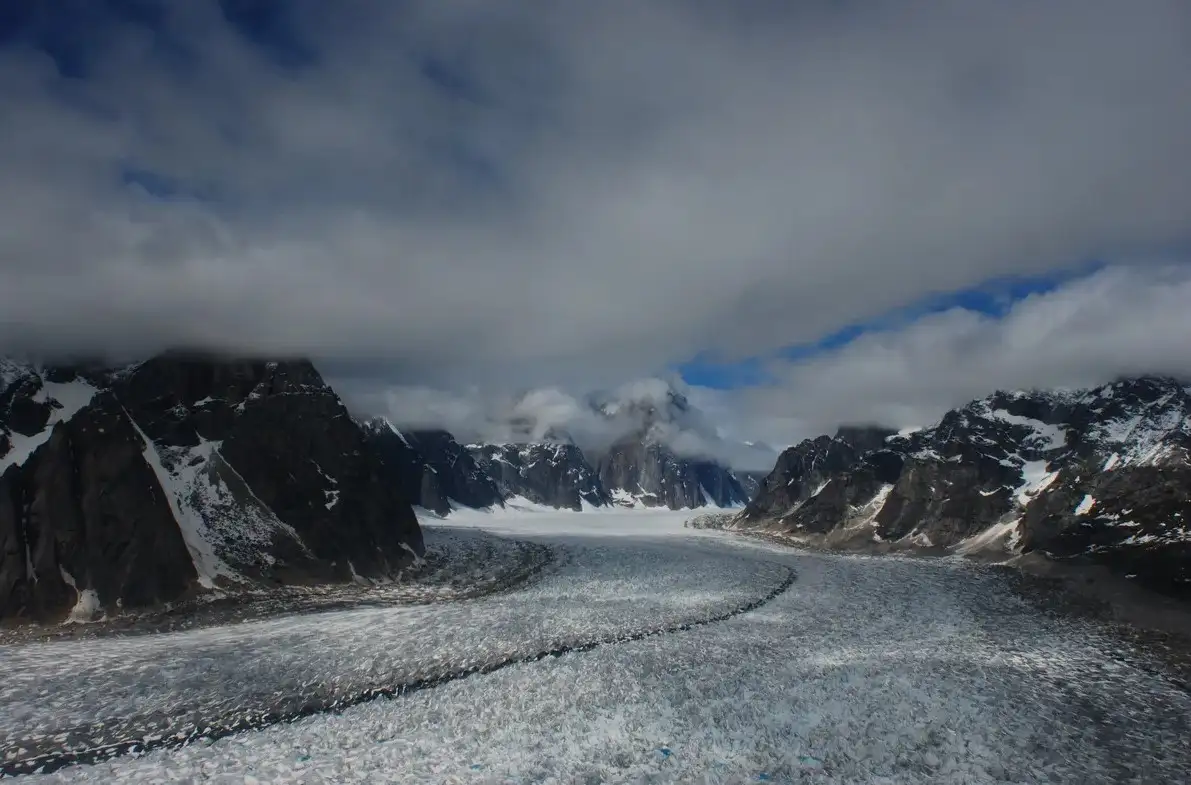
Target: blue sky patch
[[993, 298]]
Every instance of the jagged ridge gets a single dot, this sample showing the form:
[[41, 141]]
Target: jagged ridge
[[144, 485], [1100, 474]]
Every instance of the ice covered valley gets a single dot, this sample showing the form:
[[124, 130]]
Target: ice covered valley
[[647, 652]]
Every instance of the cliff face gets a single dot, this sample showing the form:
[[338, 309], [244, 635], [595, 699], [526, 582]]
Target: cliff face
[[1101, 474], [641, 470], [556, 475], [433, 469], [138, 486]]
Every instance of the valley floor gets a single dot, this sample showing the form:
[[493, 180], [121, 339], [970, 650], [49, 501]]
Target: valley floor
[[864, 669]]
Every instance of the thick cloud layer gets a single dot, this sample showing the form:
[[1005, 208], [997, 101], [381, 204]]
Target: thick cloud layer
[[1119, 322], [474, 193]]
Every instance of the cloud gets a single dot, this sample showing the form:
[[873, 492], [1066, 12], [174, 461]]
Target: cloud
[[592, 420], [1117, 322], [460, 193]]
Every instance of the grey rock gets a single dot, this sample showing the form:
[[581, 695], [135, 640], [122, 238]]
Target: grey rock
[[557, 475]]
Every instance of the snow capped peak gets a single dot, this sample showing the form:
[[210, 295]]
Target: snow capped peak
[[11, 371], [57, 401], [653, 399]]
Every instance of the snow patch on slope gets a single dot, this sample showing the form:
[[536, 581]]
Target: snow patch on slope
[[1049, 437], [71, 396], [1004, 535], [866, 515], [1035, 479], [1139, 438], [195, 534]]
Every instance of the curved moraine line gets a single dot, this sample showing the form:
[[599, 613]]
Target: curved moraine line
[[50, 762]]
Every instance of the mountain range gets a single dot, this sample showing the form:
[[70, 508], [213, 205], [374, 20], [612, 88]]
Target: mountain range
[[1100, 475], [131, 487], [189, 474], [659, 457]]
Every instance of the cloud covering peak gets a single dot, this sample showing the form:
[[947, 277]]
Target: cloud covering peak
[[473, 191], [486, 198]]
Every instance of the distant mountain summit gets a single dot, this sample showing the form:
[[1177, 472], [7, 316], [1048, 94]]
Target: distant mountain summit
[[130, 487], [1102, 474], [641, 445], [663, 458]]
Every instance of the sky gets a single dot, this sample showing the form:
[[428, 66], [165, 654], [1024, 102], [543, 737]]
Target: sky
[[804, 213]]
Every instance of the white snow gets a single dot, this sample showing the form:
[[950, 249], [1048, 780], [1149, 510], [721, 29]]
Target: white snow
[[1035, 479], [86, 609], [177, 487], [1085, 505], [623, 498], [1139, 436], [1048, 437], [11, 371], [223, 523], [866, 514], [332, 493], [1004, 534], [398, 432], [868, 670], [72, 396], [1112, 462]]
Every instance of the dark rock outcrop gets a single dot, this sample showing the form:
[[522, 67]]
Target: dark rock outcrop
[[1102, 475], [556, 475], [85, 514], [183, 472], [750, 482], [434, 470]]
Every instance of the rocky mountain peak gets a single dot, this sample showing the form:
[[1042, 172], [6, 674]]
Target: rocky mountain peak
[[864, 437], [1099, 474], [183, 473]]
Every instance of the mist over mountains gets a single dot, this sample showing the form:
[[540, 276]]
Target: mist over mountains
[[594, 422]]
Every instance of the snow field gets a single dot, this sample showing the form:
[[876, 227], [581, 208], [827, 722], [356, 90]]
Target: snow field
[[868, 670]]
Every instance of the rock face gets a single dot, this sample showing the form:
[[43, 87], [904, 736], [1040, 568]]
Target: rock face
[[434, 470], [85, 496], [541, 462], [641, 470], [556, 475], [139, 486], [1102, 475], [750, 482], [644, 468]]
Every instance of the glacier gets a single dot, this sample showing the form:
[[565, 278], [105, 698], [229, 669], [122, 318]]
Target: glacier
[[864, 669]]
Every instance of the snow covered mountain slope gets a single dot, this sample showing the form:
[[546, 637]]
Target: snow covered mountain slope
[[134, 487], [1101, 474]]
